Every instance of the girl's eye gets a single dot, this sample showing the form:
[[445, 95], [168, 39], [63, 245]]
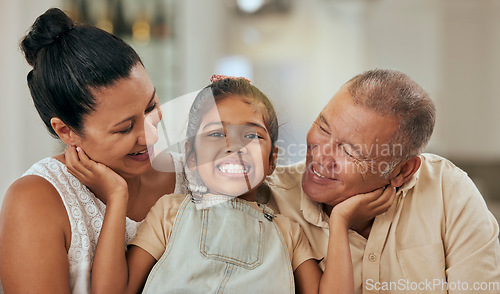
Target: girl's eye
[[217, 134], [151, 108], [253, 136]]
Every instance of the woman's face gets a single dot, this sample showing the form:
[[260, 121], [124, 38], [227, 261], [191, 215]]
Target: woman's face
[[232, 149], [115, 133]]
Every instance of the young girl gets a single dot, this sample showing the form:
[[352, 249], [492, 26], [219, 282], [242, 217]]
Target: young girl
[[212, 241]]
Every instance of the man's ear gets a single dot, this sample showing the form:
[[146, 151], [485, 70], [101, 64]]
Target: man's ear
[[273, 161], [65, 133], [405, 170], [191, 157]]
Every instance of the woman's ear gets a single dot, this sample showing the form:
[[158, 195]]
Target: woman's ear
[[405, 171], [190, 156], [65, 133], [273, 161]]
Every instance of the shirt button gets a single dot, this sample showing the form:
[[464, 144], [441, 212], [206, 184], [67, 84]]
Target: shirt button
[[372, 257]]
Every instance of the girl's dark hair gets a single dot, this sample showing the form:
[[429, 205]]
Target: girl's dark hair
[[69, 61], [224, 88]]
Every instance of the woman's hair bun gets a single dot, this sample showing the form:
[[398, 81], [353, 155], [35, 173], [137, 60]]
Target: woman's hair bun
[[44, 31]]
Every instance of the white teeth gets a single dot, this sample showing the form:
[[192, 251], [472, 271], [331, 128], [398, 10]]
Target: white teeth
[[318, 174], [231, 168], [137, 153]]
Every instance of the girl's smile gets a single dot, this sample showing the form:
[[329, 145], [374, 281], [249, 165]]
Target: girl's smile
[[232, 148]]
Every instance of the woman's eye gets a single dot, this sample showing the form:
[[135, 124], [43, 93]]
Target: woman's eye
[[127, 130], [151, 108]]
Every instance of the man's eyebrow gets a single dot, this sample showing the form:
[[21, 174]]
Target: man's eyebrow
[[322, 119], [129, 118]]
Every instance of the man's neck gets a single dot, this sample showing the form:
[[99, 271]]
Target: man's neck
[[363, 228]]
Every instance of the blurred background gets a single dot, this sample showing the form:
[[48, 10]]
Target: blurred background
[[298, 52]]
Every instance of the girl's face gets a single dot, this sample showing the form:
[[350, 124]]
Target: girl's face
[[115, 133], [232, 149]]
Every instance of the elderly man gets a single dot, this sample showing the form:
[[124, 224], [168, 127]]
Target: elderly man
[[437, 237]]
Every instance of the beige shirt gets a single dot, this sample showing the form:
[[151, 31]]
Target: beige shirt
[[438, 236], [154, 233]]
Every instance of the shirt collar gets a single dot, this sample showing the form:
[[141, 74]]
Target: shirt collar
[[408, 185]]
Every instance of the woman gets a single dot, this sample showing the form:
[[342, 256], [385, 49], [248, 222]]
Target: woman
[[92, 92]]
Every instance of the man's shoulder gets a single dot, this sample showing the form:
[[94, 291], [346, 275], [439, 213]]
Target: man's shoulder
[[439, 168], [445, 180], [286, 176]]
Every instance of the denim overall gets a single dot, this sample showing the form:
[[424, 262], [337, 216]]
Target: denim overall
[[228, 248]]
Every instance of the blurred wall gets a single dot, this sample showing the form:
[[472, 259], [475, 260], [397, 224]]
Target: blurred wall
[[450, 47], [300, 58], [24, 138]]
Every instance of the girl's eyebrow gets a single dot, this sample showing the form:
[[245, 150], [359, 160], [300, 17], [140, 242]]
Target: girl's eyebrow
[[256, 125], [221, 123], [211, 124]]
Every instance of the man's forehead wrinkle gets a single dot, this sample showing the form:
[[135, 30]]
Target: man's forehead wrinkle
[[347, 118]]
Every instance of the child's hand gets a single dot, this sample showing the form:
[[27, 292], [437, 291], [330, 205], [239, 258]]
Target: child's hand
[[99, 178], [364, 207]]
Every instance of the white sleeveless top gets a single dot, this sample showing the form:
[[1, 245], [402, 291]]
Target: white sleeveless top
[[86, 214]]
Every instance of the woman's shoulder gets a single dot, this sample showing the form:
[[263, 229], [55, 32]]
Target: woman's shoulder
[[34, 195], [33, 192], [32, 203]]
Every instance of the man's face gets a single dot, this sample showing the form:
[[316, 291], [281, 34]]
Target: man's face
[[347, 151]]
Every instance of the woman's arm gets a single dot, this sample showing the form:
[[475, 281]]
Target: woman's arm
[[35, 235], [111, 271]]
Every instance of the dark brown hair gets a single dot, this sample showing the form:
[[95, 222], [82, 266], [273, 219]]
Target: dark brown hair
[[69, 61]]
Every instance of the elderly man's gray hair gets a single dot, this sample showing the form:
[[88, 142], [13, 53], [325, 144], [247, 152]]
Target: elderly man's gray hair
[[394, 94]]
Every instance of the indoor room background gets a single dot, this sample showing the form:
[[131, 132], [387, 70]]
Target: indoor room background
[[298, 52]]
